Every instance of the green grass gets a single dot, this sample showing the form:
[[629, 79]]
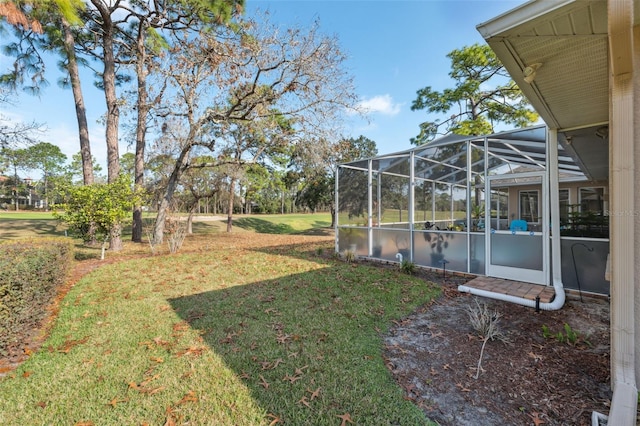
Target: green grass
[[284, 224], [32, 224], [27, 214], [14, 225], [228, 335]]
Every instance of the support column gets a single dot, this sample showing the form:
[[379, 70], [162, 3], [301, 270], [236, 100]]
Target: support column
[[623, 219], [554, 205], [369, 207], [411, 215]]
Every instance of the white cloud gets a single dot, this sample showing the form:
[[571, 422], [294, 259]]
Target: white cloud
[[382, 104]]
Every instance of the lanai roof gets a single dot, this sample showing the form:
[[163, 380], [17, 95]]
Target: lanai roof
[[444, 159], [557, 53]]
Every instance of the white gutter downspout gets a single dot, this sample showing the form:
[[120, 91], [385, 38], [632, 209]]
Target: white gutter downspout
[[623, 221], [552, 173]]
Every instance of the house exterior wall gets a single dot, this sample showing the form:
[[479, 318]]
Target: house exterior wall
[[574, 194]]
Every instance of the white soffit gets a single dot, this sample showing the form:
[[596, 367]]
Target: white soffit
[[569, 39]]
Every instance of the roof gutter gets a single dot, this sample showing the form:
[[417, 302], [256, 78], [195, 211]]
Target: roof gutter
[[515, 17]]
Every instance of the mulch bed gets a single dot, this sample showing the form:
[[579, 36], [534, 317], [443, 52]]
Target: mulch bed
[[532, 380]]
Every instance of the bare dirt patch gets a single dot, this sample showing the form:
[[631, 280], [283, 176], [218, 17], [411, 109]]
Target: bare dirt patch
[[533, 380]]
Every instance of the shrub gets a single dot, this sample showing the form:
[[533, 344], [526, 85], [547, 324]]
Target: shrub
[[31, 273], [486, 324], [408, 267], [349, 256]]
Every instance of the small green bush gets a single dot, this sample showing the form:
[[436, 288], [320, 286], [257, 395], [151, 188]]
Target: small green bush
[[31, 273], [569, 336], [408, 267]]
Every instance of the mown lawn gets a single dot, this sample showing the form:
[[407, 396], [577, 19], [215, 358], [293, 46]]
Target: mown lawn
[[284, 224], [240, 329], [27, 224]]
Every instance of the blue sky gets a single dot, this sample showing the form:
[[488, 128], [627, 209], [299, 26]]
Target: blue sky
[[394, 49]]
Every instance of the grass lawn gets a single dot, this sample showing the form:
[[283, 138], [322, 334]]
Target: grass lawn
[[27, 224], [284, 224], [239, 329]]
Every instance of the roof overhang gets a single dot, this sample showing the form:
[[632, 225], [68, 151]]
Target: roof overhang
[[557, 53]]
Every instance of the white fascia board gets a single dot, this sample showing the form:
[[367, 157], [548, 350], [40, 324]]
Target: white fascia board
[[521, 14]]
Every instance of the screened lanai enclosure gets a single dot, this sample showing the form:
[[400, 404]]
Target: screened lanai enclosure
[[482, 205]]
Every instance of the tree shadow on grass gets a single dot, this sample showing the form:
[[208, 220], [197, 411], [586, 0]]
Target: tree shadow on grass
[[263, 226], [208, 227], [24, 228], [266, 227], [309, 345]]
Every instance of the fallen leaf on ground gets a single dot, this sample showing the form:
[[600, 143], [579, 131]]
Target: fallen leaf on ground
[[346, 418], [534, 356], [189, 397], [180, 326], [283, 338], [314, 394], [70, 344], [172, 417], [192, 350], [275, 418], [263, 382], [291, 379], [462, 388], [304, 401], [299, 371], [537, 421], [149, 379], [160, 341], [142, 389], [116, 401]]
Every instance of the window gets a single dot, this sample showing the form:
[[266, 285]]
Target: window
[[592, 200], [499, 208], [565, 205], [529, 206]]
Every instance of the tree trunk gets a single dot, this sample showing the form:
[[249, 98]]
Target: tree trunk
[[333, 217], [81, 112], [190, 217], [181, 165], [15, 187], [230, 212], [81, 117], [113, 111], [141, 130]]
